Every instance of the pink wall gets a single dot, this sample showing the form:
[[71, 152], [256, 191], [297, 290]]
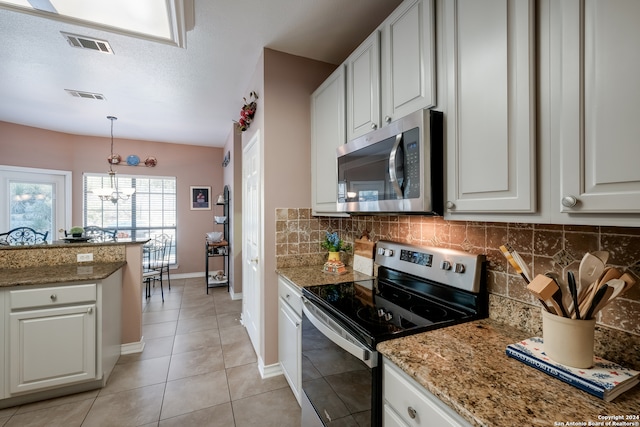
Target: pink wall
[[191, 165], [285, 84]]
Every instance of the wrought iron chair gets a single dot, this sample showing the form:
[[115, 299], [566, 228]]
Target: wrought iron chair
[[98, 234], [23, 236], [155, 262]]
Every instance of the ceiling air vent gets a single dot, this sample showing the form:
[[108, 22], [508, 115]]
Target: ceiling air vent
[[84, 42], [87, 95]]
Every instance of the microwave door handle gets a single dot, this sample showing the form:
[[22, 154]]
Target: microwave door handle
[[392, 167]]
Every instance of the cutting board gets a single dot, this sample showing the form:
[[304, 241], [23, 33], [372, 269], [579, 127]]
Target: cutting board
[[363, 250]]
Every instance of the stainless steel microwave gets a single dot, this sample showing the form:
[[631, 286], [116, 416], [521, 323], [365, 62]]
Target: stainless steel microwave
[[395, 169]]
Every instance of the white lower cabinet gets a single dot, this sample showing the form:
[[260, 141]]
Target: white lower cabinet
[[55, 338], [51, 347], [406, 403], [290, 335]]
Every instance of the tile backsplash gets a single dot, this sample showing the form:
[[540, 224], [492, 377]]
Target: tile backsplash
[[544, 248]]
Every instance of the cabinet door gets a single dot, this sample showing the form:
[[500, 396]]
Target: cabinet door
[[597, 55], [289, 347], [51, 347], [490, 106], [328, 131], [408, 64], [363, 88]]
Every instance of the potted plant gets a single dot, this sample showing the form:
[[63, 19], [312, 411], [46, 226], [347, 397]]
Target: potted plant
[[76, 231], [334, 245]]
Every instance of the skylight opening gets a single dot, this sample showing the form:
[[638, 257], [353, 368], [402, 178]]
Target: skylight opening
[[153, 18]]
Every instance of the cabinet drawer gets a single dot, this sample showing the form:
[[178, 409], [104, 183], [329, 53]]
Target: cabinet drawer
[[291, 294], [413, 403], [53, 296]]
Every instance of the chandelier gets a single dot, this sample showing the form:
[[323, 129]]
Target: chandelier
[[112, 193]]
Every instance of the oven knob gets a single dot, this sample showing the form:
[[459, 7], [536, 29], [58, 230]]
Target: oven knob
[[458, 267], [380, 251], [388, 316], [445, 265], [388, 252], [380, 312]]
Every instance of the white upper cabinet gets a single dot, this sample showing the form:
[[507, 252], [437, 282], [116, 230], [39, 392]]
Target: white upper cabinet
[[328, 131], [596, 105], [408, 64], [489, 54], [363, 87]]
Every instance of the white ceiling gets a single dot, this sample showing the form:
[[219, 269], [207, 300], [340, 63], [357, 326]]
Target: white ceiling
[[161, 92]]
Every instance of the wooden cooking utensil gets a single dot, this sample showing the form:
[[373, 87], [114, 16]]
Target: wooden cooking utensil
[[590, 269], [546, 289], [573, 289], [599, 300]]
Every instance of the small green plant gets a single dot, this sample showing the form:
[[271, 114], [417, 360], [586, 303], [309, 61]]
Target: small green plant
[[76, 230], [333, 243]]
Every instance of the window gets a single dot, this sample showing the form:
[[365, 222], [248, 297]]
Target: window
[[150, 211]]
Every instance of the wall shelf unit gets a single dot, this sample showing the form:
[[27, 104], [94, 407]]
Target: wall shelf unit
[[219, 249]]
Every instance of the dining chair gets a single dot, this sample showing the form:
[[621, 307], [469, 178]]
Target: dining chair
[[153, 254], [98, 234], [23, 236]]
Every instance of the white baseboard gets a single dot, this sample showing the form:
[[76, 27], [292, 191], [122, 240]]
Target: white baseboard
[[132, 347], [236, 296], [187, 275], [271, 370]]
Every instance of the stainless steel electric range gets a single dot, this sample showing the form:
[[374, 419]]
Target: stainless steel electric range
[[416, 289]]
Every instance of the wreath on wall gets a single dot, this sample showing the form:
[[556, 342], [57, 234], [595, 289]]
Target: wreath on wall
[[247, 112]]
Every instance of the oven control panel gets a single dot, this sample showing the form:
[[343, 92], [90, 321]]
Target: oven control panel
[[447, 266]]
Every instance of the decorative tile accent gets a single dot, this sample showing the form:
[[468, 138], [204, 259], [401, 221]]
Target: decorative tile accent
[[563, 258]]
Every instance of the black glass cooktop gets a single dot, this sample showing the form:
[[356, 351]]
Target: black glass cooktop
[[392, 305]]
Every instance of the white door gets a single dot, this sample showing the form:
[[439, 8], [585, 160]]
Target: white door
[[251, 230], [35, 198]]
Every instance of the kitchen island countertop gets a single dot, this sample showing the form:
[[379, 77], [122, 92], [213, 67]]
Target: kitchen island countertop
[[63, 273], [466, 367]]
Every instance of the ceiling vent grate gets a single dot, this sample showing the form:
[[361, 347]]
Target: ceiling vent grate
[[86, 95], [84, 42]]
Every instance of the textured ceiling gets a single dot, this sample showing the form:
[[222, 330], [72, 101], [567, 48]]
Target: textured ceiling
[[161, 92]]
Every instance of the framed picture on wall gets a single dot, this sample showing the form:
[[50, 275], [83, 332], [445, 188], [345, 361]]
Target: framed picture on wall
[[200, 198]]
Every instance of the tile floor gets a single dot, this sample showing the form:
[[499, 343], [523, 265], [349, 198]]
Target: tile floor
[[198, 368]]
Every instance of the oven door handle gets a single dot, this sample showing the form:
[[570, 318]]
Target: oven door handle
[[359, 351]]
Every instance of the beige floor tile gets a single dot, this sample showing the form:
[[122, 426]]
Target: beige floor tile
[[236, 347], [157, 330], [78, 397], [229, 307], [216, 416], [196, 341], [172, 302], [128, 376], [261, 410], [196, 300], [245, 381], [130, 408], [228, 320], [200, 311], [67, 415], [196, 324], [194, 393], [159, 316], [153, 348], [195, 363]]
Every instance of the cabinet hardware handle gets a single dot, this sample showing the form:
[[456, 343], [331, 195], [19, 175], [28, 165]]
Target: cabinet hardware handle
[[412, 412], [569, 201], [451, 205], [374, 126], [287, 296], [297, 324], [90, 310], [54, 297], [387, 119]]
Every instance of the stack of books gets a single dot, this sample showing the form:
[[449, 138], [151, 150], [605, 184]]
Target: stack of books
[[605, 379]]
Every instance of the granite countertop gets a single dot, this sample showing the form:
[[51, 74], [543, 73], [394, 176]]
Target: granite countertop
[[63, 273], [312, 276], [466, 367], [64, 244]]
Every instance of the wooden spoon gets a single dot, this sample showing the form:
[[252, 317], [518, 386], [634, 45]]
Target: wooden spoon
[[590, 269], [546, 289]]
